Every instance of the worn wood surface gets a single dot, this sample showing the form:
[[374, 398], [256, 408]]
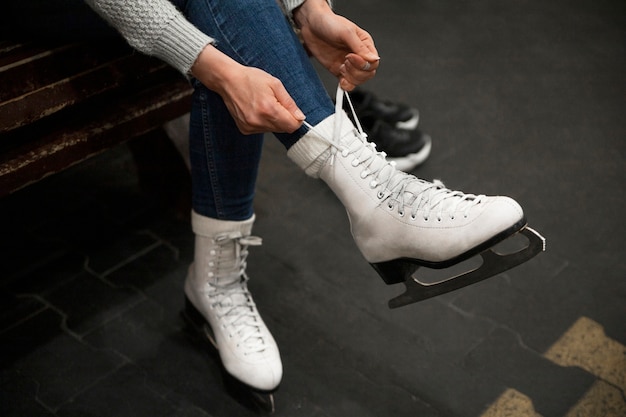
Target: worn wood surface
[[61, 104]]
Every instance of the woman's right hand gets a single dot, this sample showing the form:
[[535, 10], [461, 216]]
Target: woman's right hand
[[257, 101]]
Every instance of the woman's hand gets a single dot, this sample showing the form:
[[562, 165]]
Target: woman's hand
[[345, 49], [257, 101]]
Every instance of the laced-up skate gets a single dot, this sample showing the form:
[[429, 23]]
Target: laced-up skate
[[400, 222], [220, 307]]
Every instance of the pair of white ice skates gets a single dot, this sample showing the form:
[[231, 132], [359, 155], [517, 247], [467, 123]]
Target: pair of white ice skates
[[398, 222]]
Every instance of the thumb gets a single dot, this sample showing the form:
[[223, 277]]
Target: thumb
[[361, 43], [292, 116], [285, 100]]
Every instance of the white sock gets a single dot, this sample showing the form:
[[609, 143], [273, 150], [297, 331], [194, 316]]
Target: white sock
[[313, 149]]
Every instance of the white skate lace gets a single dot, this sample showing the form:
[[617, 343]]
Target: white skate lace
[[229, 293], [398, 189]]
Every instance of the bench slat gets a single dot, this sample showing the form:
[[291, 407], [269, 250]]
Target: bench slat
[[27, 67], [76, 139], [51, 98], [62, 103]]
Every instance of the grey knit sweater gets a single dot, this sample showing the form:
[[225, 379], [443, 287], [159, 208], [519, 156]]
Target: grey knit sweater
[[157, 28]]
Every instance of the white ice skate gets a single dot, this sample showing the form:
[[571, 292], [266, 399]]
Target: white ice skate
[[220, 306], [400, 222]]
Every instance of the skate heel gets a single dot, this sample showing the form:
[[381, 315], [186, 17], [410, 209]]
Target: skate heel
[[198, 323], [192, 314], [493, 263], [396, 271]]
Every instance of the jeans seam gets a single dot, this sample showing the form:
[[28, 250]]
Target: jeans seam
[[210, 162]]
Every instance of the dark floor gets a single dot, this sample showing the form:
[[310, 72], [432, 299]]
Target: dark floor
[[524, 98]]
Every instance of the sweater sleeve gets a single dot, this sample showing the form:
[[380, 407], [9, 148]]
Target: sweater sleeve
[[290, 5], [155, 27]]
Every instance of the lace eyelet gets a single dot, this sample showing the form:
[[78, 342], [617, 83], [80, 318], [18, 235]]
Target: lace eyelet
[[413, 217], [380, 195], [401, 213], [390, 206]]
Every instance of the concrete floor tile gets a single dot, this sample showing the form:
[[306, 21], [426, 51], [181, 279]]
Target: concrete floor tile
[[126, 392], [60, 365], [88, 302]]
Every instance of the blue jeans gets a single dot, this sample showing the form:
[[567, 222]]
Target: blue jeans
[[225, 161]]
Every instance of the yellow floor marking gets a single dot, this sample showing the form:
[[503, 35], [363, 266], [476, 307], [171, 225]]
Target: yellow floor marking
[[603, 400], [585, 345], [511, 404]]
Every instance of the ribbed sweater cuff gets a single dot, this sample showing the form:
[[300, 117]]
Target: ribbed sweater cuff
[[181, 43], [290, 5]]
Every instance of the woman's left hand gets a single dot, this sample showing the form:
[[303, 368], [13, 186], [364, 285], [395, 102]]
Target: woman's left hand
[[341, 46]]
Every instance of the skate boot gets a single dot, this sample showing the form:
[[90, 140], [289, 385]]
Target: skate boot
[[218, 299], [400, 222]]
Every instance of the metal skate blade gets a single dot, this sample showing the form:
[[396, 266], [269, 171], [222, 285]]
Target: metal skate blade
[[519, 241], [495, 260], [208, 333]]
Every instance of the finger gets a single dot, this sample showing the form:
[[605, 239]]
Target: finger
[[361, 43], [354, 75], [289, 117], [361, 64], [350, 83], [346, 85]]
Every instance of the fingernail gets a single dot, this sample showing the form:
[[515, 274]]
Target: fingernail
[[299, 115]]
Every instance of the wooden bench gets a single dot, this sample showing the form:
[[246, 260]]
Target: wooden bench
[[63, 103]]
